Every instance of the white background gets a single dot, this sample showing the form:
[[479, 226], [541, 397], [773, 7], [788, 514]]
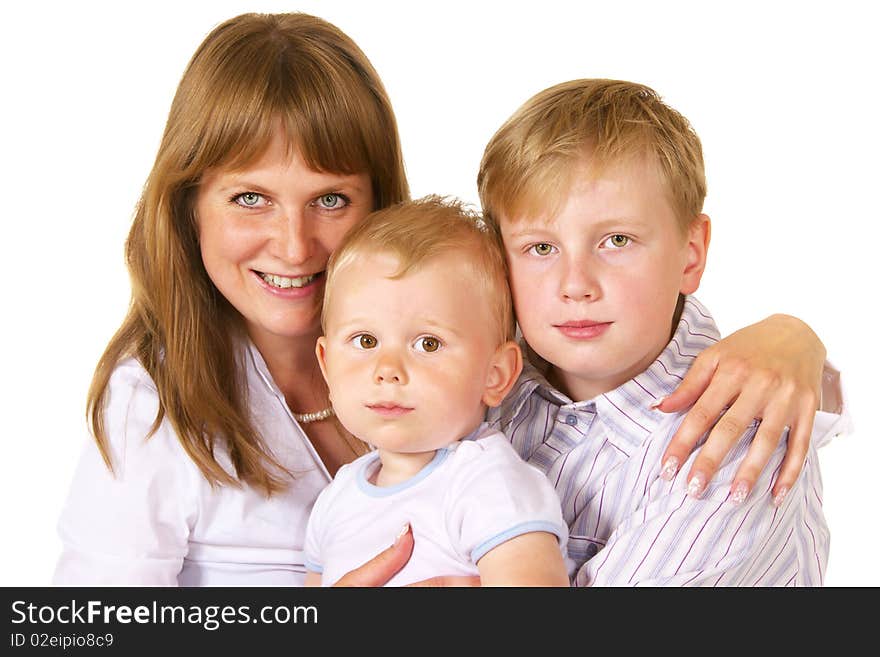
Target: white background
[[783, 94]]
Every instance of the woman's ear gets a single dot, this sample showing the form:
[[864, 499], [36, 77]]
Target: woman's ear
[[503, 372], [699, 235]]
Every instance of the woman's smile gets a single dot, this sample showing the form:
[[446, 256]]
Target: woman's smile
[[267, 231]]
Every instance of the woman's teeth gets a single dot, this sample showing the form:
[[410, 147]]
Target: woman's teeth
[[284, 282]]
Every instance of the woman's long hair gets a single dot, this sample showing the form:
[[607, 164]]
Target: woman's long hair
[[252, 74]]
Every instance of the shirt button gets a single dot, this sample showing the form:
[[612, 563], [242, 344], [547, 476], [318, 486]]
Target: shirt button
[[571, 420]]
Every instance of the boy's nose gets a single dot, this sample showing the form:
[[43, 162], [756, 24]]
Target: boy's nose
[[577, 283]]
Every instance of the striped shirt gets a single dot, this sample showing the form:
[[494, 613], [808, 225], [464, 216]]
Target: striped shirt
[[629, 527]]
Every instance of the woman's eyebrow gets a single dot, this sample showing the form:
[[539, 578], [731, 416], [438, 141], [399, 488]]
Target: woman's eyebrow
[[347, 183], [237, 182], [243, 183]]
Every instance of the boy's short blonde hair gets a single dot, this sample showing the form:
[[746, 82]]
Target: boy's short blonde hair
[[530, 164], [417, 231]]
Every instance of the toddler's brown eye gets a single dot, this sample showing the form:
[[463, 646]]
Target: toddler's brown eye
[[367, 341], [430, 344], [543, 249]]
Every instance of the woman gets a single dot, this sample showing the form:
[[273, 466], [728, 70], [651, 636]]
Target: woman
[[280, 138]]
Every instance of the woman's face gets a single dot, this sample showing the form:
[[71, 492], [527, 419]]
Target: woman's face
[[266, 232]]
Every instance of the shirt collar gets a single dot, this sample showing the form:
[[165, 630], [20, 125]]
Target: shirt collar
[[250, 352], [532, 380], [627, 408]]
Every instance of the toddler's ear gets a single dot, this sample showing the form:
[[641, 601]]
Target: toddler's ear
[[321, 353], [698, 238], [503, 372]]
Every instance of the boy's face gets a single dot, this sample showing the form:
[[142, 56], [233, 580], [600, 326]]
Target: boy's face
[[408, 361], [595, 288]]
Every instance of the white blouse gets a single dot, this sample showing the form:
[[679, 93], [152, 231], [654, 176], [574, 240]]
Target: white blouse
[[157, 521]]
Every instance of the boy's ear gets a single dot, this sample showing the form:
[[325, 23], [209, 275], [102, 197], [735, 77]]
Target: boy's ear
[[503, 372], [321, 353], [699, 234]]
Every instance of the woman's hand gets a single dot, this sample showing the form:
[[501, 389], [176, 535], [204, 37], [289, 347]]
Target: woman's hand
[[381, 568], [771, 370]]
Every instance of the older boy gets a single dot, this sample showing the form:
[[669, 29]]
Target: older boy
[[418, 341], [597, 187]]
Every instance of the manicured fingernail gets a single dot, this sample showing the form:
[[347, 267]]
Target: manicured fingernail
[[657, 403], [401, 534], [740, 492], [696, 484], [670, 467], [780, 496]]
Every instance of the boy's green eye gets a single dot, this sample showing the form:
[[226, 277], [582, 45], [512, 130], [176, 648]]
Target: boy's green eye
[[618, 240], [543, 249]]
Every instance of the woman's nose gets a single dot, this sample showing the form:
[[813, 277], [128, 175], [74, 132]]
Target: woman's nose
[[292, 240]]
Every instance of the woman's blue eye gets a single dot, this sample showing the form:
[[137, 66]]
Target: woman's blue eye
[[332, 201], [249, 199]]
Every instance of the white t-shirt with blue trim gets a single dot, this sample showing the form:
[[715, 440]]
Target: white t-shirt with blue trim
[[474, 495]]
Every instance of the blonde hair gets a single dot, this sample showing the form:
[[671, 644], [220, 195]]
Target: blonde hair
[[530, 163], [251, 74], [417, 231]]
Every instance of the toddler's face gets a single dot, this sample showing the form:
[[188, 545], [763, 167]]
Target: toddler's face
[[595, 288], [407, 360]]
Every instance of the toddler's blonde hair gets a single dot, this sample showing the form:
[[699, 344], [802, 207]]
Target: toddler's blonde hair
[[415, 232]]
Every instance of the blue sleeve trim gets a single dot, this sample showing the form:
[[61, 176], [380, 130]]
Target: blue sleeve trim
[[314, 567], [518, 530]]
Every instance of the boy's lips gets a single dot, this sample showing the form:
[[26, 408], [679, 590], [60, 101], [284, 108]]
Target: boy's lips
[[389, 409], [583, 329]]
